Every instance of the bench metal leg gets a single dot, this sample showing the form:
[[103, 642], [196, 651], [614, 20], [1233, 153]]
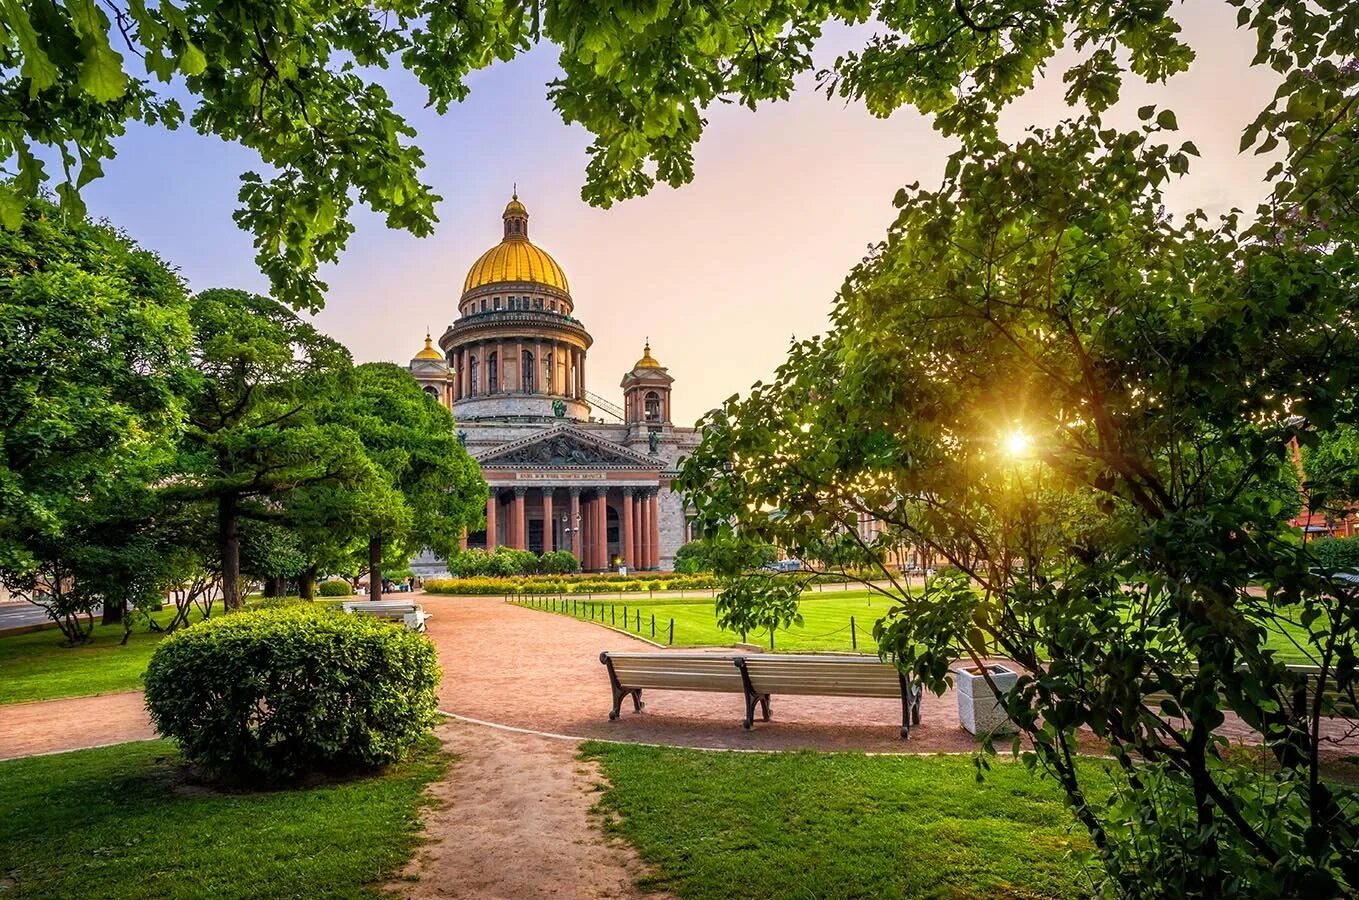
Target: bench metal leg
[[637, 704], [619, 692], [752, 697]]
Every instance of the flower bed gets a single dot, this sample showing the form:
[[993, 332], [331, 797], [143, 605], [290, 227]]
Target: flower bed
[[609, 583]]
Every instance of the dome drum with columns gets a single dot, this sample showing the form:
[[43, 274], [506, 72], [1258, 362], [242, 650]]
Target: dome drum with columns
[[564, 473]]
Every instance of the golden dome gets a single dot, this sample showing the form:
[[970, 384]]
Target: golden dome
[[647, 361], [429, 352], [516, 258]]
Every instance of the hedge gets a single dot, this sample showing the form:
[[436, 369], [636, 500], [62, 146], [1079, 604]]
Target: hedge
[[336, 587], [278, 693], [608, 583]]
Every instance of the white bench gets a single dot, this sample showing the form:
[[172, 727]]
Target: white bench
[[411, 614], [757, 676]]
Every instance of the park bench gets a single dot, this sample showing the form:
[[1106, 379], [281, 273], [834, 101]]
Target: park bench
[[411, 614], [631, 673], [825, 676], [757, 677], [1334, 703]]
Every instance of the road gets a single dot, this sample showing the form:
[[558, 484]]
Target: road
[[14, 615]]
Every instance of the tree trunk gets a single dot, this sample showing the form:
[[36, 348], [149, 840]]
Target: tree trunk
[[114, 612], [306, 583], [229, 538], [375, 567]]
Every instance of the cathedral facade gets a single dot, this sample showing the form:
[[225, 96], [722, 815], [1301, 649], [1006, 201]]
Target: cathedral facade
[[568, 469]]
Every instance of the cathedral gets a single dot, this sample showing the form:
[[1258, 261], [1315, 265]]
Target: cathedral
[[568, 469]]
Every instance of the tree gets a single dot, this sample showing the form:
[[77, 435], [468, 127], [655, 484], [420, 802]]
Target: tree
[[94, 334], [1099, 400], [430, 491], [288, 80], [253, 436]]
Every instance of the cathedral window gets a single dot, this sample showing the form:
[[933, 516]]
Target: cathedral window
[[492, 374], [526, 367], [653, 406], [472, 367], [496, 303]]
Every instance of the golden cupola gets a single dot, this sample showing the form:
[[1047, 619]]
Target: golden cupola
[[429, 353], [647, 361], [516, 262]]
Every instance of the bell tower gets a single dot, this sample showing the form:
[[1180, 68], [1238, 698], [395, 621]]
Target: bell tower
[[646, 398]]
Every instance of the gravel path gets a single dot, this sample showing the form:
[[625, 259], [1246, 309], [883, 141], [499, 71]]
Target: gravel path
[[513, 820], [53, 726], [540, 672]]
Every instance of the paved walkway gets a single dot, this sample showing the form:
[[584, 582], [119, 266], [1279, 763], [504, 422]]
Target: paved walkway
[[539, 672], [52, 726]]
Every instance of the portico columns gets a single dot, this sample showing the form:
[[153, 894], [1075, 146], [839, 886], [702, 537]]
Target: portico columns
[[643, 532], [491, 503], [573, 541], [547, 520], [517, 520], [625, 520], [601, 529], [654, 503]]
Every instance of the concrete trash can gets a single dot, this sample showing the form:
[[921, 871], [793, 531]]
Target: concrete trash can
[[979, 709]]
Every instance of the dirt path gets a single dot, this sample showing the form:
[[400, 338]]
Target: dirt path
[[512, 821], [53, 726]]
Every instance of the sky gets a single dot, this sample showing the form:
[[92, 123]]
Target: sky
[[719, 274]]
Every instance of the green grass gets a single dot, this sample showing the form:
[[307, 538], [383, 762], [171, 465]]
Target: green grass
[[826, 622], [791, 825], [126, 821], [38, 666]]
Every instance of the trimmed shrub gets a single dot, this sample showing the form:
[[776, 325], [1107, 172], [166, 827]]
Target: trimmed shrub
[[559, 562], [336, 587], [1336, 553], [278, 693], [604, 583]]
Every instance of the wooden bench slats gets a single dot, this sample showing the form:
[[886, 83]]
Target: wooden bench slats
[[757, 677]]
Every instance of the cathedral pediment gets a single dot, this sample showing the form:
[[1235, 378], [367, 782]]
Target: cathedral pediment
[[565, 447]]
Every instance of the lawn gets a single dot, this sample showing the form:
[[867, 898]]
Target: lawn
[[826, 621], [753, 825], [127, 821], [37, 666]]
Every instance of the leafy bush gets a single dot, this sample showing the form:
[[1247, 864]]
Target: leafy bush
[[277, 693], [559, 562], [723, 553], [1336, 553], [469, 563], [336, 587]]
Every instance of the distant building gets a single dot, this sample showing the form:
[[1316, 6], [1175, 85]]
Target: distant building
[[567, 469]]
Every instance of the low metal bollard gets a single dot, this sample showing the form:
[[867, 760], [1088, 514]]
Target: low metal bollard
[[853, 635], [671, 642]]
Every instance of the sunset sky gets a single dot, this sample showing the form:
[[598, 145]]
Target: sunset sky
[[719, 273]]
